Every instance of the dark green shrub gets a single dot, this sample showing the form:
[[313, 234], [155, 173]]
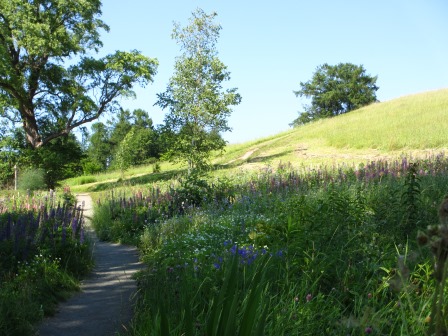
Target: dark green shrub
[[156, 167], [194, 191]]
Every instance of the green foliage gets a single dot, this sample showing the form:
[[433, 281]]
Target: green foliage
[[335, 90], [33, 179], [99, 151], [410, 200], [59, 159], [193, 191], [123, 155], [156, 167], [36, 38], [332, 235], [198, 106], [102, 221], [32, 293], [130, 140], [8, 157], [120, 126]]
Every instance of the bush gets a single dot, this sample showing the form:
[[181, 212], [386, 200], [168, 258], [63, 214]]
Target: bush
[[32, 179], [86, 180], [156, 167]]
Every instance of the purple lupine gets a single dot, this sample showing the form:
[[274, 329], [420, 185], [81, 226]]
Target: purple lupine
[[404, 164], [74, 226], [81, 236]]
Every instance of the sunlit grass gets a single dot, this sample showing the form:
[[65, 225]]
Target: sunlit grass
[[409, 125]]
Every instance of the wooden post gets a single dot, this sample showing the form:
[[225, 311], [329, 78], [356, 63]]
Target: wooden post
[[15, 177]]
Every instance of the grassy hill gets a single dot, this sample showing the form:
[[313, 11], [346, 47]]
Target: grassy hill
[[413, 125]]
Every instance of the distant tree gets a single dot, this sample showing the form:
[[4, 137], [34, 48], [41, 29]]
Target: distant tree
[[142, 119], [119, 127], [47, 96], [99, 152], [198, 105], [141, 138], [334, 90], [124, 154]]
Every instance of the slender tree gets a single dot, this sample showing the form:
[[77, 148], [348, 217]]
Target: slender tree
[[198, 104], [38, 89]]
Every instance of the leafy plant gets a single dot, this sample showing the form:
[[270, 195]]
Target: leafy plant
[[410, 199], [33, 179]]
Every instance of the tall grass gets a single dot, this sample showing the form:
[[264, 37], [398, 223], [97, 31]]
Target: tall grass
[[344, 258]]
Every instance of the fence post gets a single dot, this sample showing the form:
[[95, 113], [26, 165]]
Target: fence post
[[15, 177]]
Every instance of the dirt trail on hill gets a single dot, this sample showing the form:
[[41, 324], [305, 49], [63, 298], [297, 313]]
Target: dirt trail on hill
[[104, 305]]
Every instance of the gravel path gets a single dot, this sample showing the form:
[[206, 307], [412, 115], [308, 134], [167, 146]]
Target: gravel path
[[104, 305]]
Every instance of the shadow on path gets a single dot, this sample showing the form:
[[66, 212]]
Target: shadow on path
[[104, 305]]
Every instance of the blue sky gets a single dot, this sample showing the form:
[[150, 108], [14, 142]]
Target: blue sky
[[270, 47]]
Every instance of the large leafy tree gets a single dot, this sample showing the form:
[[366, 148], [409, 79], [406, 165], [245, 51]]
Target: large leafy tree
[[198, 104], [39, 89], [336, 89]]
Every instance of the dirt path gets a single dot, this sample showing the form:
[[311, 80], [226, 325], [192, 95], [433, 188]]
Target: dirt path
[[104, 305]]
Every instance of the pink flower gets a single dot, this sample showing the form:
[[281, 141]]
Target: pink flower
[[369, 296], [368, 330], [309, 297]]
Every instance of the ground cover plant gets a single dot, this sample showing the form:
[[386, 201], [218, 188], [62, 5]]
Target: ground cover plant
[[311, 252], [43, 253]]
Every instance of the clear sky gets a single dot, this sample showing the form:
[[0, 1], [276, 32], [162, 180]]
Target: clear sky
[[270, 47]]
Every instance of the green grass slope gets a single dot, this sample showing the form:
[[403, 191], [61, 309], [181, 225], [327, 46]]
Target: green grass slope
[[415, 124]]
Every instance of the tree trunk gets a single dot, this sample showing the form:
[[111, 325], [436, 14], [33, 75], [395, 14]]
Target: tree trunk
[[30, 127]]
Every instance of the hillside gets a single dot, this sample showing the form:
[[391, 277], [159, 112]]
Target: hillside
[[414, 125]]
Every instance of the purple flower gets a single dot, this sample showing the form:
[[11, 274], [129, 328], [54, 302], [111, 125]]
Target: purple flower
[[233, 249], [81, 236]]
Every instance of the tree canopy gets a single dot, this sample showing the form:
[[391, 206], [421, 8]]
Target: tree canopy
[[37, 87], [334, 90], [198, 104]]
